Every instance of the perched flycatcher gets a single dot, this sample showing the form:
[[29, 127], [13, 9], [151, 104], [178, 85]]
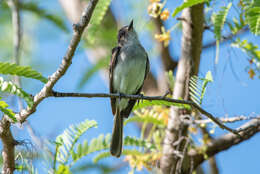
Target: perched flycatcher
[[128, 69]]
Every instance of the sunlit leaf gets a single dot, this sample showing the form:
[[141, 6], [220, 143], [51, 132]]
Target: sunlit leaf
[[187, 4], [25, 71], [147, 103], [8, 112], [11, 88]]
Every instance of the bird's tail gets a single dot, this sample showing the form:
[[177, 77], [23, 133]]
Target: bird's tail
[[117, 135]]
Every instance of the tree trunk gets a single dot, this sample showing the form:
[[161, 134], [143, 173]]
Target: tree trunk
[[175, 142]]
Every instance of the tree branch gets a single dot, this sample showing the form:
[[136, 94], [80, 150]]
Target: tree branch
[[225, 38], [225, 142], [66, 62], [140, 97], [5, 131], [8, 146], [192, 32]]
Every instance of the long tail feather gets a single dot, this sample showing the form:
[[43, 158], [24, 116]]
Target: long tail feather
[[117, 136]]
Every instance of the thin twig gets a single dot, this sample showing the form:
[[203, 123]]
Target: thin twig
[[66, 62], [228, 120], [247, 130], [225, 38], [141, 97]]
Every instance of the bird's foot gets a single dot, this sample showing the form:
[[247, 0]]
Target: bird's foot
[[120, 95], [167, 93], [138, 101]]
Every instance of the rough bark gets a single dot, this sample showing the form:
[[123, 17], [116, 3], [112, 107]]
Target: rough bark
[[248, 130], [188, 65], [8, 147]]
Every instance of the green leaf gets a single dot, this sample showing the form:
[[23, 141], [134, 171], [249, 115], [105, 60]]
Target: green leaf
[[134, 141], [100, 156], [63, 169], [147, 103], [34, 8], [97, 144], [148, 119], [97, 18], [248, 47], [102, 63], [252, 14], [187, 4], [8, 112], [11, 88], [103, 155], [198, 86], [25, 71], [209, 76], [219, 20], [70, 137]]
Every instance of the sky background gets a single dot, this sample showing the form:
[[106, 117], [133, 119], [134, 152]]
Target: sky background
[[232, 93]]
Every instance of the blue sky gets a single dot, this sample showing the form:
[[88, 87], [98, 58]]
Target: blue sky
[[232, 92]]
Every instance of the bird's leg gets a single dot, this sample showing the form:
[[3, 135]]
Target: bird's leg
[[120, 95], [140, 95], [167, 92]]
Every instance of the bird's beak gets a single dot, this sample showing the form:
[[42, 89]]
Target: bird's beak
[[131, 26]]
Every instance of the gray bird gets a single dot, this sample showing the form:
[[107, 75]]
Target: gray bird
[[128, 69]]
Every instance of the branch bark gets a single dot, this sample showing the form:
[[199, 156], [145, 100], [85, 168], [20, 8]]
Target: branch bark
[[8, 141], [191, 50], [8, 146], [226, 141]]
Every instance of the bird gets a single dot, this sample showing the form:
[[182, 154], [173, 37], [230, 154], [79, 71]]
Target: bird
[[129, 66]]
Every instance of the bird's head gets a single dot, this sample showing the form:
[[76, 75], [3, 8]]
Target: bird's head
[[127, 34]]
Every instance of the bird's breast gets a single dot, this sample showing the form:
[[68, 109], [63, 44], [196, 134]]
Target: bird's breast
[[129, 73]]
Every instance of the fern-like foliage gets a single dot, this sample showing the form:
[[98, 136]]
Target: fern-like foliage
[[219, 20], [5, 110], [67, 140], [197, 87], [97, 144], [97, 18], [11, 88], [146, 119], [252, 14], [248, 47], [187, 4], [147, 103], [134, 141], [103, 155], [25, 71]]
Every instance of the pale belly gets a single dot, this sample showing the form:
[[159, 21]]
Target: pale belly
[[128, 77]]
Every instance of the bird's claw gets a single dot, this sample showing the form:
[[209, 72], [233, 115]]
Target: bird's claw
[[120, 96], [138, 101]]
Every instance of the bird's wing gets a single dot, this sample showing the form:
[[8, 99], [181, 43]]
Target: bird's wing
[[131, 103], [113, 62]]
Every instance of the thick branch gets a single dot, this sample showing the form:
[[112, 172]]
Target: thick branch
[[8, 146], [192, 27], [5, 131], [225, 142], [66, 62]]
